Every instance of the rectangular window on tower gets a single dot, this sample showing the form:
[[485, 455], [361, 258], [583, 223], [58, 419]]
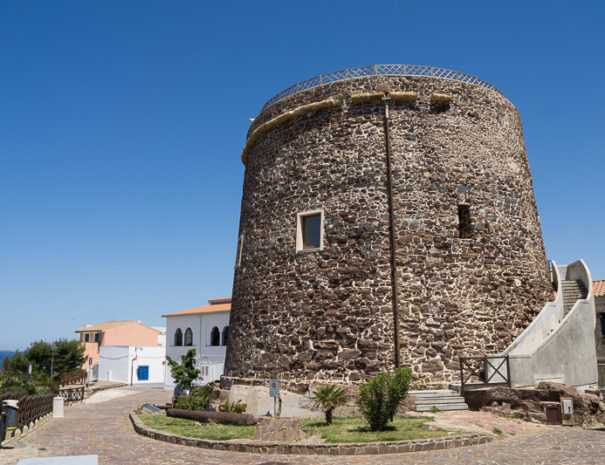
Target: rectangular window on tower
[[465, 222], [309, 231]]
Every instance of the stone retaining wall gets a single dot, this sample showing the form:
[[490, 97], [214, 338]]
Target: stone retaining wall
[[259, 447]]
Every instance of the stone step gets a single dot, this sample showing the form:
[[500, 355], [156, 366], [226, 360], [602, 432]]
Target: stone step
[[443, 407], [432, 393], [439, 400]]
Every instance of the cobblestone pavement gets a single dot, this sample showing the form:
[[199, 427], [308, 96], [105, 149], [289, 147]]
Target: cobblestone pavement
[[103, 428]]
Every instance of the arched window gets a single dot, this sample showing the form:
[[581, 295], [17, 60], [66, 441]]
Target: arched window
[[225, 335], [215, 337], [178, 337], [188, 337]]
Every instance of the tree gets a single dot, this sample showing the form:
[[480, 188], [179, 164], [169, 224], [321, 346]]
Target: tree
[[380, 397], [67, 356], [329, 397], [184, 373]]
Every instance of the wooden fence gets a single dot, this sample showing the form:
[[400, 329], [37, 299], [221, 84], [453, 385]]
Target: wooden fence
[[8, 396], [30, 407], [73, 377], [33, 407]]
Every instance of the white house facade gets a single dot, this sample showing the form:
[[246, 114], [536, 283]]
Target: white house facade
[[205, 329], [132, 364]]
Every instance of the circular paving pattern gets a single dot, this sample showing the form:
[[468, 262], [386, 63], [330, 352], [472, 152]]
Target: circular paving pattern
[[105, 429]]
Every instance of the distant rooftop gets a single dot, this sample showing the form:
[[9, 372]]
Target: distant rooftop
[[598, 287], [222, 304], [107, 325]]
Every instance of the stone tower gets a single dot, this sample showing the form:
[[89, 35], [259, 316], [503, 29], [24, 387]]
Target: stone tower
[[386, 206]]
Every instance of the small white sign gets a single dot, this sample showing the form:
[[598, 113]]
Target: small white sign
[[274, 387], [567, 407]]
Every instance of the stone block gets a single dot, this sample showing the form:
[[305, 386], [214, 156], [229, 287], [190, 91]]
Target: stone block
[[278, 429]]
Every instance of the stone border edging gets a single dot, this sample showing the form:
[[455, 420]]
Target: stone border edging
[[258, 447]]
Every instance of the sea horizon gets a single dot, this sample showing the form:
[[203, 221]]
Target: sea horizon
[[5, 353]]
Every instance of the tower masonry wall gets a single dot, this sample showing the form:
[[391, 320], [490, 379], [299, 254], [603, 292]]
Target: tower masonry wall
[[327, 316]]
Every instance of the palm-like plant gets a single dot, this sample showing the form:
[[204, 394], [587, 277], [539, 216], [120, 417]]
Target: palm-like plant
[[328, 398]]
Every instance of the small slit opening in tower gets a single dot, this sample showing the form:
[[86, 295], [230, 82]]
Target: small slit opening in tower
[[465, 221]]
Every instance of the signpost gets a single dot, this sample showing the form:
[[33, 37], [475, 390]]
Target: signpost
[[89, 374], [274, 392]]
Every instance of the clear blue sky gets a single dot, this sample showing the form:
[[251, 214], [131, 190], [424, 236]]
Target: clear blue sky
[[122, 123]]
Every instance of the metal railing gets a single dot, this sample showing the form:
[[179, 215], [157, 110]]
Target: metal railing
[[484, 370], [379, 70], [72, 395]]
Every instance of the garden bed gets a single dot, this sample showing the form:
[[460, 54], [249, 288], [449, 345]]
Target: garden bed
[[345, 437], [353, 429], [190, 429]]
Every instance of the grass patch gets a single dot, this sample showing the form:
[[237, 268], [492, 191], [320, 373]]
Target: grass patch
[[356, 430], [343, 430], [498, 431], [188, 428]]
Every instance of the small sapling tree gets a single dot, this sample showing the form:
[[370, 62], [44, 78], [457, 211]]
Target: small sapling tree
[[328, 398], [184, 373]]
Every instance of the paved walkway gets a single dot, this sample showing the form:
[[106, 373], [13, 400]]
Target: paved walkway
[[103, 428]]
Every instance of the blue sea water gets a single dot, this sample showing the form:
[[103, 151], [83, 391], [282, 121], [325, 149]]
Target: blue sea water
[[5, 354]]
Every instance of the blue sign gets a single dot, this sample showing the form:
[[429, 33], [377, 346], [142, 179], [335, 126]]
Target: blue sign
[[89, 361]]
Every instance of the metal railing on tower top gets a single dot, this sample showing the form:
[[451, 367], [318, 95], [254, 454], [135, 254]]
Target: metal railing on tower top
[[376, 70]]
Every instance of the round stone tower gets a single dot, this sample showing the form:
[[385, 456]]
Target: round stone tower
[[388, 219]]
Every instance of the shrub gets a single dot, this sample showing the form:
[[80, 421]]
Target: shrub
[[196, 400], [329, 397], [380, 397], [435, 409], [234, 407]]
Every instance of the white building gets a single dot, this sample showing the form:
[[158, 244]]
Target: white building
[[132, 364], [204, 329], [162, 335]]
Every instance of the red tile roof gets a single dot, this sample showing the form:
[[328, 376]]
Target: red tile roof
[[598, 287], [109, 324], [216, 305]]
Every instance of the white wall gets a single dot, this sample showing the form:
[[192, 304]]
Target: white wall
[[210, 359], [115, 363]]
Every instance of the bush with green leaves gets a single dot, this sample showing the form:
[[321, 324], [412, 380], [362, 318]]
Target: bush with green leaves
[[328, 398], [196, 400], [233, 407], [380, 397], [184, 373]]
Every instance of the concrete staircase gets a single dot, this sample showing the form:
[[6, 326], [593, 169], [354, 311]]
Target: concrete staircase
[[443, 399], [572, 291]]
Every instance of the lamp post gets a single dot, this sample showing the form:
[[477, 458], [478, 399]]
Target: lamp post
[[52, 360]]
